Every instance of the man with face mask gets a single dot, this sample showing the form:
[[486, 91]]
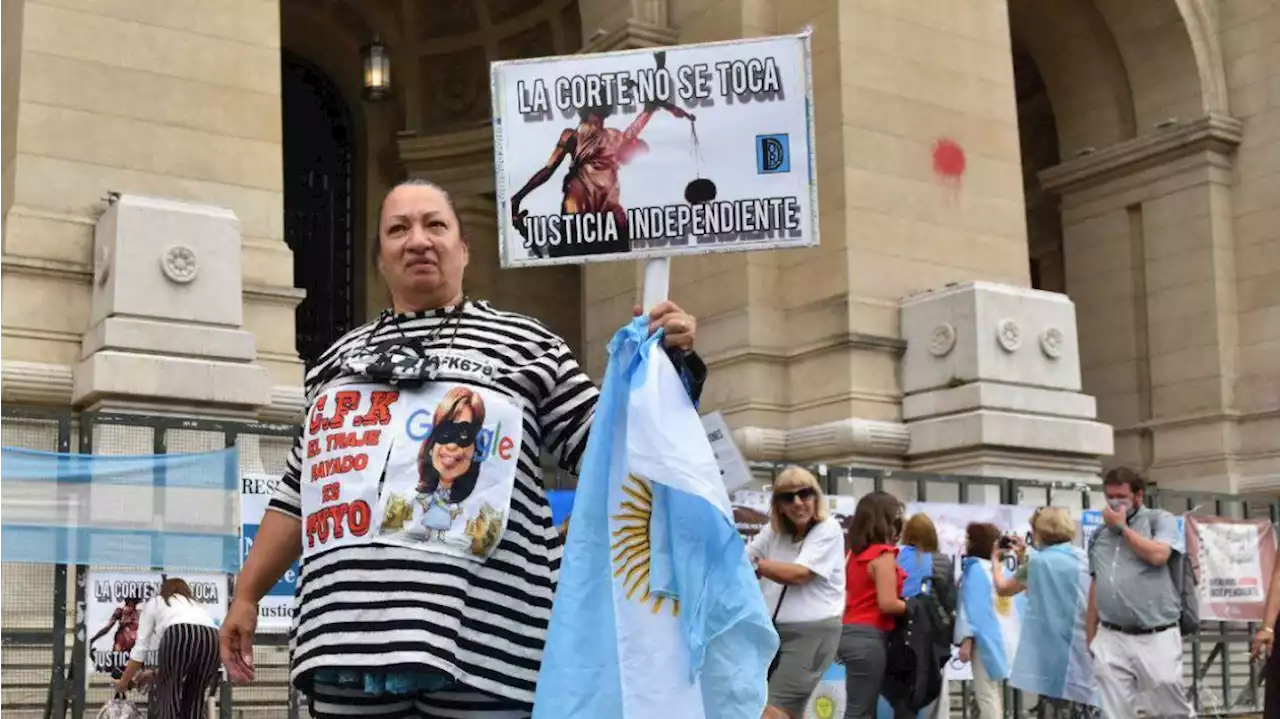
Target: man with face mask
[[1132, 621]]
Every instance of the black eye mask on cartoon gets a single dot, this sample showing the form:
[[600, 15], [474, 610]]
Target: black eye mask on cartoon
[[462, 434]]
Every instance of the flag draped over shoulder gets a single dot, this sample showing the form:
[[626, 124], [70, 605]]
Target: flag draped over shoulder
[[1053, 655], [657, 613], [980, 616]]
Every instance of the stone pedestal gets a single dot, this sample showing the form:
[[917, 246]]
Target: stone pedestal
[[991, 384], [167, 314]]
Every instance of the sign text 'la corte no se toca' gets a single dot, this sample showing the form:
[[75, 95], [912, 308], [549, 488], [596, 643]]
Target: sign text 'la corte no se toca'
[[647, 154]]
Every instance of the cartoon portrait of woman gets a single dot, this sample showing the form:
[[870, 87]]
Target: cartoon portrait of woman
[[447, 464]]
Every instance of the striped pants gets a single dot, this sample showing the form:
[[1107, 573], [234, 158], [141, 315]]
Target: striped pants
[[188, 667], [330, 702]]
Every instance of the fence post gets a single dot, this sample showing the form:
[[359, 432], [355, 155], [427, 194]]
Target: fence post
[[57, 703], [226, 701], [79, 648]]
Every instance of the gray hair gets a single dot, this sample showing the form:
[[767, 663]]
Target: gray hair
[[413, 182]]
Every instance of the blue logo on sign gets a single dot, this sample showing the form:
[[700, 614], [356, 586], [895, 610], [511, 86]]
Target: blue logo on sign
[[283, 588], [773, 154]]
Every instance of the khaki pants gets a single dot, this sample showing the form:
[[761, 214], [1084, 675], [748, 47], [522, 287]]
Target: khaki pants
[[1140, 675], [988, 692]]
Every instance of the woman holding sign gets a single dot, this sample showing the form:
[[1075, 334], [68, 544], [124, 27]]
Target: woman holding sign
[[438, 391]]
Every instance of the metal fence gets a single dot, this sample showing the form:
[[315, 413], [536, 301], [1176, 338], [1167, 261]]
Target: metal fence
[[44, 657], [46, 672], [1218, 672]]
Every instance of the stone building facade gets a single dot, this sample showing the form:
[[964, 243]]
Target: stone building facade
[[973, 158]]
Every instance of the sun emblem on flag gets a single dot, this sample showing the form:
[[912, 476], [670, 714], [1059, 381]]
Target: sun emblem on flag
[[631, 544]]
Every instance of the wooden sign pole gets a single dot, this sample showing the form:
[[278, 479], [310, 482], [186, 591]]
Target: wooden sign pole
[[657, 282]]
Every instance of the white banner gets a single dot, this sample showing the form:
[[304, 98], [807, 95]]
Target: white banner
[[1235, 558], [644, 153], [275, 610], [114, 607], [951, 521]]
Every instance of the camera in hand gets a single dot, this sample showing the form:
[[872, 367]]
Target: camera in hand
[[1007, 541]]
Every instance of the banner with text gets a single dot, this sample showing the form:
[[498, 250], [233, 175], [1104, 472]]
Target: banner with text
[[1234, 559], [114, 606], [275, 611], [641, 153]]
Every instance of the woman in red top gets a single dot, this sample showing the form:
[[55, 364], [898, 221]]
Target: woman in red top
[[873, 591]]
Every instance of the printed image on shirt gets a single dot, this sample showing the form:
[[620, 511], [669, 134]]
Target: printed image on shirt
[[450, 472]]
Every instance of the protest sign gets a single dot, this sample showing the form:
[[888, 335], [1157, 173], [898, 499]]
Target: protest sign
[[642, 154], [1234, 559], [734, 470], [275, 610], [114, 603]]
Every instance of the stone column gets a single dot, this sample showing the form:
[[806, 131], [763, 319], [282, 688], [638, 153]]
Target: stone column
[[991, 378], [93, 117], [920, 185], [1150, 253], [166, 333]]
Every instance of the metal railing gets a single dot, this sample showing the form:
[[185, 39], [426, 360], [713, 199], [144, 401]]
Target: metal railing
[[44, 660], [1221, 678]]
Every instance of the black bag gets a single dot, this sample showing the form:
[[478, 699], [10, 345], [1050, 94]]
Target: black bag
[[1183, 574], [777, 656], [918, 649]]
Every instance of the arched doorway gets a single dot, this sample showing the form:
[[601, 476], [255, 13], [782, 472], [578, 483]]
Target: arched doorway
[[318, 218], [1038, 141]]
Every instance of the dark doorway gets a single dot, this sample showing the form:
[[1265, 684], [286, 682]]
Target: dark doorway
[[1038, 139], [318, 215]]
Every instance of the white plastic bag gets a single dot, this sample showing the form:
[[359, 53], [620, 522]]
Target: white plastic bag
[[119, 708]]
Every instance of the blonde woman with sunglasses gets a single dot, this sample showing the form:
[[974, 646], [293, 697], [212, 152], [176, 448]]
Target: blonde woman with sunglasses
[[799, 558]]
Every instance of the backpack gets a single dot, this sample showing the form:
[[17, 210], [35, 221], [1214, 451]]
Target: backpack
[[1185, 583], [916, 651]]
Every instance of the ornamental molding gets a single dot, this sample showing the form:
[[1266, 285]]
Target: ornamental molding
[[1213, 136]]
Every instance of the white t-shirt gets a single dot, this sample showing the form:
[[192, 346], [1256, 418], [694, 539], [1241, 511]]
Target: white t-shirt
[[822, 552], [157, 617]]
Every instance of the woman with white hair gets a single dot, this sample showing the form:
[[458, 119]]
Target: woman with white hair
[[799, 557], [1052, 659]]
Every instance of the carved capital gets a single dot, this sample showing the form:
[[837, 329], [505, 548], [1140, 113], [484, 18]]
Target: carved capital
[[1214, 136], [461, 160], [845, 437], [35, 383], [761, 445], [288, 405], [633, 34], [823, 441]]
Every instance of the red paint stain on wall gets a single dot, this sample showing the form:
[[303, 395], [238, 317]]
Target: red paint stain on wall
[[948, 159]]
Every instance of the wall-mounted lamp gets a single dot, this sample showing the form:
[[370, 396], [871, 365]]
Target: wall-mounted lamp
[[377, 71]]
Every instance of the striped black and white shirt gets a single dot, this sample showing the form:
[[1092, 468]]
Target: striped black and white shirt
[[396, 608]]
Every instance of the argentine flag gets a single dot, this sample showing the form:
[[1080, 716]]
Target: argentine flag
[[658, 613]]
